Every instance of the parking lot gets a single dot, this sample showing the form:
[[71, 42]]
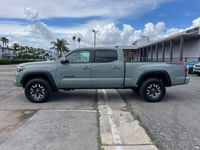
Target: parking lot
[[93, 119]]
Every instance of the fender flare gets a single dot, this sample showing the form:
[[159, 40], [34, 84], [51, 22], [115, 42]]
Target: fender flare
[[164, 73], [37, 74]]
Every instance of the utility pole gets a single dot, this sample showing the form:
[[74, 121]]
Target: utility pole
[[95, 32]]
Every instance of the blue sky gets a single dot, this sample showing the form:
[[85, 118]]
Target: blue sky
[[119, 22]]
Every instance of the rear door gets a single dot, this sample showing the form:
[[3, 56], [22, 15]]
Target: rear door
[[107, 69]]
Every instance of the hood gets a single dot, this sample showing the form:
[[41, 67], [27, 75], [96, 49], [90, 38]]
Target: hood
[[37, 63]]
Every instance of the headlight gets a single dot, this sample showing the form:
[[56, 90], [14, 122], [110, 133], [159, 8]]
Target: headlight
[[20, 68]]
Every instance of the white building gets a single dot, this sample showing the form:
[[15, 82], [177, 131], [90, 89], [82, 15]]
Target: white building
[[6, 52], [184, 46]]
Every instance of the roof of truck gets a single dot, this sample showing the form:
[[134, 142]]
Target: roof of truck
[[97, 48]]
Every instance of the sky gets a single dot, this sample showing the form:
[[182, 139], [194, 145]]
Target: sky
[[119, 22]]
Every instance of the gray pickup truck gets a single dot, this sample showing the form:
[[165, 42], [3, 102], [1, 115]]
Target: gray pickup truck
[[100, 68]]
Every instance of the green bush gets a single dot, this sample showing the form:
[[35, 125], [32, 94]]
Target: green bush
[[28, 56], [6, 61]]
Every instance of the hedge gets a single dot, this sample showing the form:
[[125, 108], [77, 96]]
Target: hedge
[[6, 61]]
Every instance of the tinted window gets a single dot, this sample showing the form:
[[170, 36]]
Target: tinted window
[[105, 56], [79, 57]]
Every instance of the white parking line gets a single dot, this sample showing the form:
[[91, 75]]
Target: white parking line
[[114, 130], [64, 110]]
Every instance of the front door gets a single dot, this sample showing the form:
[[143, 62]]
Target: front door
[[77, 72]]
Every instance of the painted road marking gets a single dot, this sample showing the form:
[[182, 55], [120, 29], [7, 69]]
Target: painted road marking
[[119, 130], [114, 130]]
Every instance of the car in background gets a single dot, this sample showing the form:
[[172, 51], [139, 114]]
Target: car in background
[[190, 66], [196, 68]]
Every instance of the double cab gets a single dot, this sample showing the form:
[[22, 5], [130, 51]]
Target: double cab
[[98, 68]]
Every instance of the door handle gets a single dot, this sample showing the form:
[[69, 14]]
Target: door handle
[[86, 67], [115, 67]]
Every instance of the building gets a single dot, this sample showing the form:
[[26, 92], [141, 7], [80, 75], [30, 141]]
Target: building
[[7, 52], [184, 46]]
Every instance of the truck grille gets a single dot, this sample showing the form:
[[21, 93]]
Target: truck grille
[[198, 66]]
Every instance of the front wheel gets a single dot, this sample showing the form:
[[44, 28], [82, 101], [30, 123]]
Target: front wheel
[[152, 90], [37, 90]]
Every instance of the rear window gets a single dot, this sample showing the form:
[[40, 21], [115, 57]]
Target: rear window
[[103, 56]]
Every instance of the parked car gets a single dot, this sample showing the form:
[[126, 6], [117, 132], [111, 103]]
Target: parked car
[[99, 68], [190, 66], [196, 68]]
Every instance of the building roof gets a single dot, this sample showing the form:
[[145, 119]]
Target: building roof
[[191, 33]]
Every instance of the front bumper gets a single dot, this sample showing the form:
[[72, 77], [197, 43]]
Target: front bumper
[[15, 83], [196, 70]]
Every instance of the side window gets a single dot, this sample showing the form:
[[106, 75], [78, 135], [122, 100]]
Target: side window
[[103, 56], [79, 57]]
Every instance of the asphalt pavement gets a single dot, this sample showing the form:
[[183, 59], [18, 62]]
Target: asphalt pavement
[[174, 123], [93, 119]]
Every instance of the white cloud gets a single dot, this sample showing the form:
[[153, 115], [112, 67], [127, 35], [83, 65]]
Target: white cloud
[[31, 14], [41, 30], [108, 34], [154, 31], [13, 29], [196, 22], [173, 31], [77, 8]]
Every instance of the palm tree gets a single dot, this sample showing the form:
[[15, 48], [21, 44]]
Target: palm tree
[[4, 41], [26, 48], [22, 48], [74, 39], [60, 45], [79, 41], [15, 47]]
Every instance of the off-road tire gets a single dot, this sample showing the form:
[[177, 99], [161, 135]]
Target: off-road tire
[[152, 90], [38, 88]]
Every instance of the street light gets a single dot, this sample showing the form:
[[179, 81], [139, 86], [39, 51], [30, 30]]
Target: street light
[[95, 32]]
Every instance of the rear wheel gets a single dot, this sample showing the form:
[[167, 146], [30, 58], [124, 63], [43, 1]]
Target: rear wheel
[[152, 90], [38, 90]]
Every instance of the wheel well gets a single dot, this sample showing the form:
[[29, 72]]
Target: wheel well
[[162, 76], [27, 78]]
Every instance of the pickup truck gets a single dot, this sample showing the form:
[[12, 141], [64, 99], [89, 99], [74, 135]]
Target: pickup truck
[[98, 68]]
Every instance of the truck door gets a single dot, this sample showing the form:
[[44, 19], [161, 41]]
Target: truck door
[[107, 70], [77, 72]]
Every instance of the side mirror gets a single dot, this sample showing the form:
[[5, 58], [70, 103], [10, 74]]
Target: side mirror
[[64, 62]]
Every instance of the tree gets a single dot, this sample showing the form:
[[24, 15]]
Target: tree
[[26, 48], [21, 48], [79, 41], [74, 39], [15, 47], [5, 42], [60, 45]]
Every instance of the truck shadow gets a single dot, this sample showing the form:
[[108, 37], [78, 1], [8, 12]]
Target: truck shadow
[[78, 95], [129, 95]]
